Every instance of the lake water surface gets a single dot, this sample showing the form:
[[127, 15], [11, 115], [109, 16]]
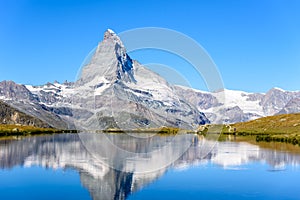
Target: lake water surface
[[115, 166]]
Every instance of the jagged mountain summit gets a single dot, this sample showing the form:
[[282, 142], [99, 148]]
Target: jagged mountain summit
[[121, 93], [109, 62]]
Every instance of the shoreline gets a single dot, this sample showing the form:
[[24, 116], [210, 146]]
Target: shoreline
[[8, 130]]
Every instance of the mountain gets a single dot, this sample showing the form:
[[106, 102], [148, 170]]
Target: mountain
[[10, 115], [115, 91], [240, 106], [147, 99], [112, 91]]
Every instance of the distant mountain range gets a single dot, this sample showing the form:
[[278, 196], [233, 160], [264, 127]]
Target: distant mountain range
[[114, 91]]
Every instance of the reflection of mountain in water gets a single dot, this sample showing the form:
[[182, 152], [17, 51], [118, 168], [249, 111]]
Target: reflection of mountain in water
[[68, 151]]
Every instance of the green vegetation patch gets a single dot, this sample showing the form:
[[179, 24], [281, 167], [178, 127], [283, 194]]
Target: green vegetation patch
[[278, 124], [278, 128]]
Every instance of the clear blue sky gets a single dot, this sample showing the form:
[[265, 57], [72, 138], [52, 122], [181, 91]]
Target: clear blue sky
[[255, 43]]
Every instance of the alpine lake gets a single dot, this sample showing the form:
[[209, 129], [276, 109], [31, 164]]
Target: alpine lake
[[143, 166]]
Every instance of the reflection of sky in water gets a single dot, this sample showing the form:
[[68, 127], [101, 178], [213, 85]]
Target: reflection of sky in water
[[40, 183], [209, 181], [59, 167]]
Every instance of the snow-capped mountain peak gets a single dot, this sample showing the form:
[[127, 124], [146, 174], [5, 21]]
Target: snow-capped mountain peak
[[110, 36], [278, 89], [110, 61], [139, 98]]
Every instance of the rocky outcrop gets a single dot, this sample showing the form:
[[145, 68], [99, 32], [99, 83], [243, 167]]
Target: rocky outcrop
[[293, 106]]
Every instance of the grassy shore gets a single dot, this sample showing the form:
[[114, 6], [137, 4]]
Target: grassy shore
[[162, 130], [20, 130], [278, 128]]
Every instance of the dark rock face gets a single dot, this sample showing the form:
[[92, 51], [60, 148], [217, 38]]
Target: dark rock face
[[10, 115]]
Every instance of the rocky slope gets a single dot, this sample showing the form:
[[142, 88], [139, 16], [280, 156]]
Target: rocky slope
[[293, 106], [19, 97], [10, 115]]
